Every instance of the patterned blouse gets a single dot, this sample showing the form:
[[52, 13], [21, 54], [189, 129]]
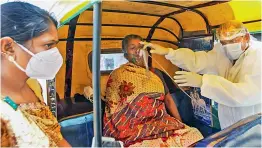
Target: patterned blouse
[[28, 125]]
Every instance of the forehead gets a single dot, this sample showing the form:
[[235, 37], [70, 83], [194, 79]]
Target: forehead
[[134, 41], [50, 34]]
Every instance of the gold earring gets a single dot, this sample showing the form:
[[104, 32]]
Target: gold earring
[[11, 59]]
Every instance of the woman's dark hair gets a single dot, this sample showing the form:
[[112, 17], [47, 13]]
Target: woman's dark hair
[[126, 40], [23, 21]]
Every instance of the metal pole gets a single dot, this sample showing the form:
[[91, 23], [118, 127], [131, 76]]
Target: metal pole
[[97, 11]]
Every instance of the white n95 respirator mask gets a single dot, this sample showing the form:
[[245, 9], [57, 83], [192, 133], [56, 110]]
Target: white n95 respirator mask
[[233, 51], [43, 65]]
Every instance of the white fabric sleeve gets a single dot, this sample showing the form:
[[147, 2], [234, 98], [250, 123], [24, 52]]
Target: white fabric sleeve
[[199, 62], [246, 92]]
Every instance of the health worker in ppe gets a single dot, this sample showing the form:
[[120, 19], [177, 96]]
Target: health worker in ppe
[[231, 71]]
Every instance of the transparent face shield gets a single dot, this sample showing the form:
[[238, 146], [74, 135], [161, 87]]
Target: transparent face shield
[[230, 35]]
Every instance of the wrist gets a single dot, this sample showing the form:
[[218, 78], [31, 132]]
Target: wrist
[[170, 54], [168, 50]]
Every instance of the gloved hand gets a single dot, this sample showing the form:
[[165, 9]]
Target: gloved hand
[[156, 48], [183, 78]]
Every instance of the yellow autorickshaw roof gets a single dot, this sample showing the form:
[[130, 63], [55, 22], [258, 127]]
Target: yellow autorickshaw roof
[[245, 11]]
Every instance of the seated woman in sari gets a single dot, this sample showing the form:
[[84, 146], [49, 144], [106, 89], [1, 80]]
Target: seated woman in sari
[[135, 105]]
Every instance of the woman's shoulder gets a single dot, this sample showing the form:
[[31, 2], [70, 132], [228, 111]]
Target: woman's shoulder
[[119, 70]]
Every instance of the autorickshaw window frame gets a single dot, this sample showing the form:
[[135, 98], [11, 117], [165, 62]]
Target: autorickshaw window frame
[[104, 52], [193, 42]]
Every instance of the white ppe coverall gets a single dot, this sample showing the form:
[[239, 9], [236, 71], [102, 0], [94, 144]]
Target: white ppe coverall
[[237, 88]]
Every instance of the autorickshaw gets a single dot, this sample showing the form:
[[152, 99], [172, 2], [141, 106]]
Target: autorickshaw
[[90, 35]]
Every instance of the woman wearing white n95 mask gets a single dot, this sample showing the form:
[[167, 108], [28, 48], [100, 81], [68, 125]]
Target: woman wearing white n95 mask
[[28, 50], [232, 72]]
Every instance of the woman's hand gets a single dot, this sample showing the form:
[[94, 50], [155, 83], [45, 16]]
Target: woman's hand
[[88, 91], [155, 48]]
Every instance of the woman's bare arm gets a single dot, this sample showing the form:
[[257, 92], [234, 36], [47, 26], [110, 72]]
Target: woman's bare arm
[[171, 107]]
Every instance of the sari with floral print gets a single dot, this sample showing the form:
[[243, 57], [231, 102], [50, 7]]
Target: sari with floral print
[[136, 114]]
